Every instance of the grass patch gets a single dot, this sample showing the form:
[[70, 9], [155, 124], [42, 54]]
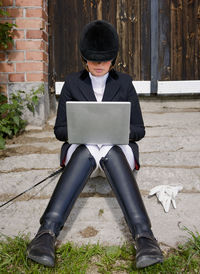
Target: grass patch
[[97, 258]]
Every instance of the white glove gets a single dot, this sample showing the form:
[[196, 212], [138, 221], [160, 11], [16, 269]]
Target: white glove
[[166, 194]]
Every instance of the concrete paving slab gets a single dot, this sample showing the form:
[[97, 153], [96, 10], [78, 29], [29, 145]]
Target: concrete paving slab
[[51, 121], [31, 161], [173, 143], [172, 105], [169, 227], [53, 145], [33, 127], [103, 218], [171, 159], [165, 131], [173, 120], [43, 134], [14, 183], [149, 177]]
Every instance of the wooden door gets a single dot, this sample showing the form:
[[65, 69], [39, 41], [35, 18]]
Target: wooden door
[[131, 19], [159, 39]]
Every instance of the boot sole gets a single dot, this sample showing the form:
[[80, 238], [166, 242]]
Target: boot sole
[[42, 260], [148, 260]]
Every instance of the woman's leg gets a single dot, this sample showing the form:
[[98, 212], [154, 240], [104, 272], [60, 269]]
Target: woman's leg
[[124, 185], [68, 188]]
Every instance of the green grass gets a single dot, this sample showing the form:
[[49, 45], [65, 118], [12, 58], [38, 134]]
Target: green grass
[[97, 258]]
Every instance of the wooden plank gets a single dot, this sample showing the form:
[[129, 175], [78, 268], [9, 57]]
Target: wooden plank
[[122, 30], [176, 40], [109, 9], [164, 87], [135, 41], [145, 49], [142, 87], [131, 40], [197, 40], [164, 40], [185, 39], [154, 46], [189, 38], [51, 79], [178, 87], [119, 30], [99, 10]]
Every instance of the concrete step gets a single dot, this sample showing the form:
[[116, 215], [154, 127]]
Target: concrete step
[[30, 161], [99, 219], [13, 183], [172, 105], [172, 119], [179, 159], [169, 155]]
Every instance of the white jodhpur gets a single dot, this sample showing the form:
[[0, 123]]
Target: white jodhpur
[[99, 151]]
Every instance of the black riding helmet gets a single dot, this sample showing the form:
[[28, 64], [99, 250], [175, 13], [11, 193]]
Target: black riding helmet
[[99, 42]]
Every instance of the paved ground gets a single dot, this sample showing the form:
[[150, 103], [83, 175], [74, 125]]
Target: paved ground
[[170, 154]]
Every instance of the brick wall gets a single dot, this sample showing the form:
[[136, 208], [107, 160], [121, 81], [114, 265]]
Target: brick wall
[[25, 64]]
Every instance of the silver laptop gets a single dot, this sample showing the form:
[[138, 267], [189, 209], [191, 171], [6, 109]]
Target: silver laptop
[[98, 122]]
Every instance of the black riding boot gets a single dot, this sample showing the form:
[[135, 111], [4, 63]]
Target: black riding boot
[[124, 185], [72, 181]]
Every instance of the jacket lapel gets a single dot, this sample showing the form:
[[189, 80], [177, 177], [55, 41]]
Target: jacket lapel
[[112, 87], [86, 88]]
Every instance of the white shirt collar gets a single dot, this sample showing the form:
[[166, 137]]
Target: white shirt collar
[[98, 81]]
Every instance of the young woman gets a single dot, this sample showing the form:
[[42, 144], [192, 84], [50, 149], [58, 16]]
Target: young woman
[[98, 82]]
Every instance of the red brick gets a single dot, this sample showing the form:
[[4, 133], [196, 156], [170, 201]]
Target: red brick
[[18, 34], [35, 77], [1, 15], [6, 3], [29, 44], [5, 67], [46, 28], [45, 57], [46, 67], [3, 77], [10, 47], [46, 77], [35, 56], [34, 13], [34, 34], [44, 15], [45, 36], [15, 12], [16, 77], [45, 47], [29, 3], [3, 21], [16, 56], [29, 23], [29, 66], [2, 56], [3, 89]]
